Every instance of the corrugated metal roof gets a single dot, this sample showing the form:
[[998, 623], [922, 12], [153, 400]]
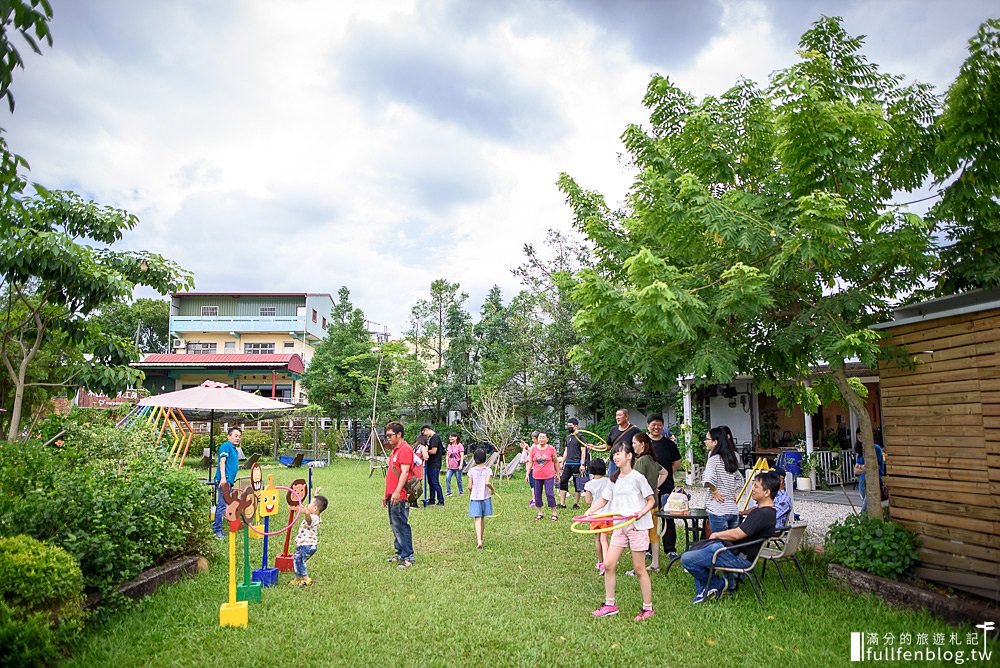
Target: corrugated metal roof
[[291, 362]]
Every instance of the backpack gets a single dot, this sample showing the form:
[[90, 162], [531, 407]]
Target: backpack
[[413, 487]]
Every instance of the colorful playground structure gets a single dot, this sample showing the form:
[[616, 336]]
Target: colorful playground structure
[[170, 424]]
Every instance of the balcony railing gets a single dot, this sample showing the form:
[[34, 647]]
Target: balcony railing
[[238, 323]]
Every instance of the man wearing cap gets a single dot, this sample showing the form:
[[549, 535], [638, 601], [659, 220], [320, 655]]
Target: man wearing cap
[[574, 462]]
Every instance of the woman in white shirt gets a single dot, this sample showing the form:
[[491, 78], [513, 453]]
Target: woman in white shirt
[[723, 478]]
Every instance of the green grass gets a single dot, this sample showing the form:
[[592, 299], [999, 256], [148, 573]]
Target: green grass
[[524, 600]]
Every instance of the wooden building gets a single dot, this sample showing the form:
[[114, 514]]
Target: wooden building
[[941, 421]]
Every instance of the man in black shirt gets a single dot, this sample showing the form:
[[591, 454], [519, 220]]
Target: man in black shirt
[[758, 524], [669, 457], [432, 468], [575, 459], [622, 432]]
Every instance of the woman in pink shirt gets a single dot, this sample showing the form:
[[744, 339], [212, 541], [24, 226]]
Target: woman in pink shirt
[[542, 467], [456, 452]]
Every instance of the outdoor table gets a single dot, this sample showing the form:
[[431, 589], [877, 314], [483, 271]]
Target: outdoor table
[[695, 520]]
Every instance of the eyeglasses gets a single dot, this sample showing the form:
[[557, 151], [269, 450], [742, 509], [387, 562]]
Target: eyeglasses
[[391, 435]]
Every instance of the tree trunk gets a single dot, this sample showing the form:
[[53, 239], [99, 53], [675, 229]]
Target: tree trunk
[[873, 492]]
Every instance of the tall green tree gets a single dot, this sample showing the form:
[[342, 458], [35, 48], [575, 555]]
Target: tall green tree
[[145, 321], [53, 280], [338, 375], [967, 167], [429, 335], [760, 234]]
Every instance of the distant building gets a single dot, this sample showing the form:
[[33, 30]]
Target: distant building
[[255, 341]]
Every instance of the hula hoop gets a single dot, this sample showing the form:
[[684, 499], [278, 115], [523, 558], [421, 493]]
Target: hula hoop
[[289, 525], [500, 504], [602, 447], [575, 529], [602, 517]]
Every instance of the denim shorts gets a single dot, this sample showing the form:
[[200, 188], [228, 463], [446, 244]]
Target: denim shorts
[[482, 508]]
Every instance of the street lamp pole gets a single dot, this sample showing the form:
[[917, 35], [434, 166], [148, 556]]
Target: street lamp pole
[[374, 436]]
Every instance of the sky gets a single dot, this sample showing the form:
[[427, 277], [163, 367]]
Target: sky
[[305, 145]]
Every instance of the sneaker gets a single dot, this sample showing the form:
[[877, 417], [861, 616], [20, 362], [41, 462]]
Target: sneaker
[[598, 565], [448, 494], [531, 504], [673, 556], [644, 615], [405, 563], [575, 505], [600, 569], [712, 594], [653, 569], [393, 559], [699, 597], [306, 581], [560, 505], [220, 536], [630, 573], [295, 582], [605, 611]]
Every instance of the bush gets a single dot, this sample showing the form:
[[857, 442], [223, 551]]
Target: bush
[[41, 591], [878, 546], [37, 578], [115, 521], [256, 443]]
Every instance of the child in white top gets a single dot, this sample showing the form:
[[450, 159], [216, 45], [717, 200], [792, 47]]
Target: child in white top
[[594, 490], [306, 540], [480, 494], [628, 495]]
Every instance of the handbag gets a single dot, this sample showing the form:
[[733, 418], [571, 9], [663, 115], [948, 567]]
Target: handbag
[[413, 486]]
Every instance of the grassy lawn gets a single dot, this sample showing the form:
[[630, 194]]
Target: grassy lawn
[[524, 600]]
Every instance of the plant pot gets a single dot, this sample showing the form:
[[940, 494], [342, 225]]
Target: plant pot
[[803, 484]]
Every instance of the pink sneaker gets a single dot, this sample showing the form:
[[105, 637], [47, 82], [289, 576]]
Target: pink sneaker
[[605, 611], [644, 615], [600, 569]]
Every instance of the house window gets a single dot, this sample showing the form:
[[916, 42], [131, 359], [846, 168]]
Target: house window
[[209, 311], [258, 348], [289, 345], [315, 315], [324, 323], [231, 347], [201, 349], [268, 311]]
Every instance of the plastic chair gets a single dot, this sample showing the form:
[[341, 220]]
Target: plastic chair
[[783, 548], [253, 460], [755, 583]]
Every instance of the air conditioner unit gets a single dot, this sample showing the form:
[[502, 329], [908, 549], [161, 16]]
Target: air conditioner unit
[[180, 343]]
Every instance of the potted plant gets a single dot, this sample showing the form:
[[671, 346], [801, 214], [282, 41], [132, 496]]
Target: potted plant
[[809, 464]]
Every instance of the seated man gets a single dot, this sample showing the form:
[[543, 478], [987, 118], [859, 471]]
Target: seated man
[[782, 502], [758, 524]]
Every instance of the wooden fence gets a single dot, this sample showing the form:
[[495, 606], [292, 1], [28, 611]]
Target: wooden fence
[[941, 422]]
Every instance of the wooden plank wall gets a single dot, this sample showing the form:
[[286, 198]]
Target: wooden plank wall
[[941, 423]]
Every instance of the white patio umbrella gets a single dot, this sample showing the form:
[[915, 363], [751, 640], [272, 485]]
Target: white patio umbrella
[[212, 398]]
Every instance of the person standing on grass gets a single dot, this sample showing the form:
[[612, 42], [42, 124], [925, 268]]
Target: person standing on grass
[[575, 461], [623, 432], [669, 457], [594, 490], [229, 466], [723, 479], [307, 540], [456, 453], [758, 524], [542, 467], [480, 494], [419, 448], [645, 463], [432, 470], [394, 498], [628, 494]]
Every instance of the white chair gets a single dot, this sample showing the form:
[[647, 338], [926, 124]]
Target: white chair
[[783, 548]]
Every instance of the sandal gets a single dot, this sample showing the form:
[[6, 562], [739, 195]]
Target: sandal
[[554, 517], [538, 516]]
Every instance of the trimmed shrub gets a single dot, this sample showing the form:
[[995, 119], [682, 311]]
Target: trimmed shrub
[[37, 578], [880, 547], [257, 442], [26, 641]]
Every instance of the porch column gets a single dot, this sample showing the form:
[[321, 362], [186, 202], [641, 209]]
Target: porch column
[[688, 432], [809, 441]]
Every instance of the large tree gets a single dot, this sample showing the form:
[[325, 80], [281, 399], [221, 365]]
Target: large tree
[[760, 235], [429, 335], [145, 321], [52, 280]]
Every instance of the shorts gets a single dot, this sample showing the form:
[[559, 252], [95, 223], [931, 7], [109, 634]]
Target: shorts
[[573, 472], [634, 539], [482, 508], [600, 525]]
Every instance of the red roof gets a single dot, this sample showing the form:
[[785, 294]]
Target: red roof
[[291, 362]]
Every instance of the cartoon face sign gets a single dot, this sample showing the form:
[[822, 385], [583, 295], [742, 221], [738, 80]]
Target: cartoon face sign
[[256, 478], [232, 501], [301, 488], [248, 506], [269, 498]]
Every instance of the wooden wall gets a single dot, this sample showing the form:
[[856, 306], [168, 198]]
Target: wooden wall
[[942, 442]]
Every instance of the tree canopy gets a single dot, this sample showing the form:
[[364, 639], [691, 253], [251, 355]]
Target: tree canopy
[[760, 234]]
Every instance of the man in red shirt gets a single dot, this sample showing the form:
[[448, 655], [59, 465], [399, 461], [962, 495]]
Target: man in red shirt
[[400, 465]]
